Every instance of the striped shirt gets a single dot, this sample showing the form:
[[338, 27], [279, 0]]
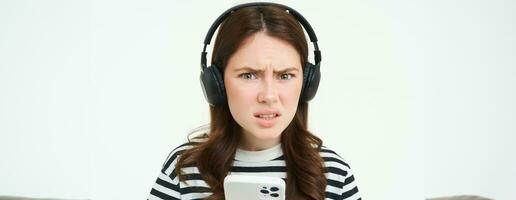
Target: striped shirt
[[269, 162]]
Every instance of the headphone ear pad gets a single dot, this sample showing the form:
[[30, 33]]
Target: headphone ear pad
[[212, 84], [311, 78]]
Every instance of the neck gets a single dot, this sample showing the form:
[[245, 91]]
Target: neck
[[256, 144]]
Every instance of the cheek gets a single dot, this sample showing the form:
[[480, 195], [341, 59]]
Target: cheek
[[291, 94], [239, 98]]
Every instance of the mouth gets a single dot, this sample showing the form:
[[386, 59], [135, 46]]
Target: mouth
[[267, 118], [267, 115]]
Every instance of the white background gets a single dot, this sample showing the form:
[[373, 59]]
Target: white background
[[418, 96]]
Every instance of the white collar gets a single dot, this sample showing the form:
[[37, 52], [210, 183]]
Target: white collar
[[259, 156]]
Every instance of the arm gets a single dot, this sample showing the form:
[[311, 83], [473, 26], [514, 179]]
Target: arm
[[166, 186]]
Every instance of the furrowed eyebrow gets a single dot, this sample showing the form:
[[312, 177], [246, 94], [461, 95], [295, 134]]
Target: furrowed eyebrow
[[261, 70], [247, 69], [291, 69]]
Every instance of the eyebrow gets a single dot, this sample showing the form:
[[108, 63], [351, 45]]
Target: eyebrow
[[245, 68]]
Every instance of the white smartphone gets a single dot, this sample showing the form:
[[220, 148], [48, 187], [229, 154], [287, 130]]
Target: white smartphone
[[245, 187]]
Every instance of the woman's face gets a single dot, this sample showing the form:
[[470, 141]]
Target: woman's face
[[263, 81]]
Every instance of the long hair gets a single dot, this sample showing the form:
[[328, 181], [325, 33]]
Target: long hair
[[214, 157]]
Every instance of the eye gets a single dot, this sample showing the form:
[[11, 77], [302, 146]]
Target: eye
[[247, 76], [286, 76]]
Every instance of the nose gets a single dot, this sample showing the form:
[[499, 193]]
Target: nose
[[268, 94]]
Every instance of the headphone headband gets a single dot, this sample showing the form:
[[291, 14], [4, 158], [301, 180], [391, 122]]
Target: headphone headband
[[297, 15]]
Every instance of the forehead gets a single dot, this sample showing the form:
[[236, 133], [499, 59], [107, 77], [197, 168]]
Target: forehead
[[263, 51]]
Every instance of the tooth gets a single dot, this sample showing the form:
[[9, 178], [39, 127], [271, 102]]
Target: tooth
[[268, 116]]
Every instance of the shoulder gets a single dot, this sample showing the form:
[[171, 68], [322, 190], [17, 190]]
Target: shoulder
[[173, 156], [334, 163], [341, 181]]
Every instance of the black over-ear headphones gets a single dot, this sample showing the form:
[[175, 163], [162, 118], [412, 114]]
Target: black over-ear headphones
[[212, 81]]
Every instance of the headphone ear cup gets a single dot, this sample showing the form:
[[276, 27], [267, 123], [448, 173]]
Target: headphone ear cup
[[311, 78], [212, 85]]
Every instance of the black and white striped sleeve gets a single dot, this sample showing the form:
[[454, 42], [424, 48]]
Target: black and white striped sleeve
[[350, 189], [341, 181], [167, 186]]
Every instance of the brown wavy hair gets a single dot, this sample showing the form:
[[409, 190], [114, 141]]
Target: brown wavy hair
[[214, 157]]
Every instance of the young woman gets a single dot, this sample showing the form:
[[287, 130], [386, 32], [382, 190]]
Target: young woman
[[258, 114]]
